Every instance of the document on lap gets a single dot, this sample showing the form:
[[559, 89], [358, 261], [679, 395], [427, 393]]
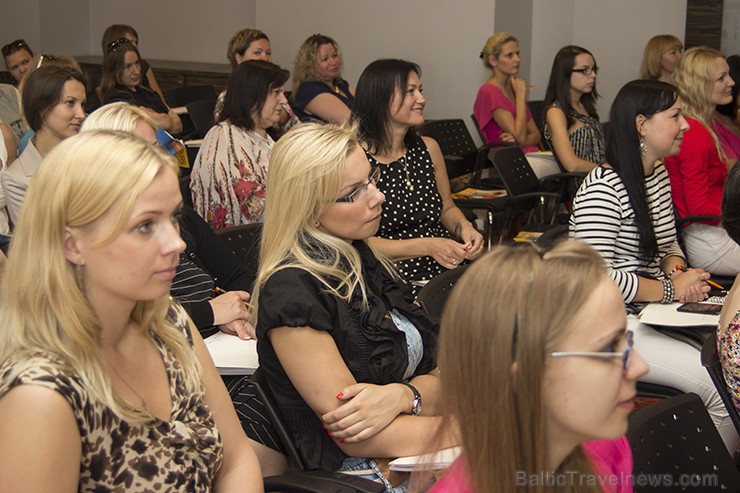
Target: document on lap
[[231, 355]]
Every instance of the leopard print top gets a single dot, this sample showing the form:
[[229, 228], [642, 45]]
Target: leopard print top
[[183, 454]]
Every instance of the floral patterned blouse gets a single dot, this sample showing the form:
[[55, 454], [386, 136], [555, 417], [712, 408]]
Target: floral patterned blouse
[[229, 176], [728, 348]]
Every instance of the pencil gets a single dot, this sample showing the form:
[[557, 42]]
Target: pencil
[[711, 283], [221, 291]]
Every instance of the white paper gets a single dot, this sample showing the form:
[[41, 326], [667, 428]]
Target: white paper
[[437, 460], [232, 355], [669, 316]]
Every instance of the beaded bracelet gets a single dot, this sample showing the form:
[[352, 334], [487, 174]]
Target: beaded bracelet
[[668, 291]]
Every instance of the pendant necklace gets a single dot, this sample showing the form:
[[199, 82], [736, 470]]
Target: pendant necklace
[[402, 160]]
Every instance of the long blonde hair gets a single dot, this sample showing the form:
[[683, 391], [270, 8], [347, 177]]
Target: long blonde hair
[[305, 67], [500, 412], [44, 310], [305, 176]]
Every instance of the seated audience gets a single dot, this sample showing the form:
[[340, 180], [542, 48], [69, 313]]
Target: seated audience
[[230, 171], [725, 122], [205, 260], [624, 210], [348, 356], [572, 128], [661, 57], [320, 93], [500, 107], [54, 107], [102, 373], [728, 332], [419, 219], [118, 32], [564, 373], [122, 76], [253, 44], [699, 171], [17, 58]]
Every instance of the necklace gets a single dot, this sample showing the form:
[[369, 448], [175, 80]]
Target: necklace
[[131, 387], [402, 160]]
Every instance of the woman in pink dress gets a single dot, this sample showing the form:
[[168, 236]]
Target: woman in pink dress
[[500, 107]]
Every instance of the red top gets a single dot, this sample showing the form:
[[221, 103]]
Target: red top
[[697, 174]]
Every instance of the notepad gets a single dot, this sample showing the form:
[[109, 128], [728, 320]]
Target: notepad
[[231, 355], [668, 316], [435, 461]]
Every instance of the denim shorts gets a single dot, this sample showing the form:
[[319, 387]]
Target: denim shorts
[[367, 468]]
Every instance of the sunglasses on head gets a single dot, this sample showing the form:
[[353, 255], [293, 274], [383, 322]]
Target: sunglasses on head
[[16, 45], [113, 46]]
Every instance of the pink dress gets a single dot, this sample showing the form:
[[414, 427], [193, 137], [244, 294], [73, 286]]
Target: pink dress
[[489, 99], [729, 140], [611, 460]]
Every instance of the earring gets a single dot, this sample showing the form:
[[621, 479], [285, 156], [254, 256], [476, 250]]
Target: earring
[[316, 223], [643, 146]]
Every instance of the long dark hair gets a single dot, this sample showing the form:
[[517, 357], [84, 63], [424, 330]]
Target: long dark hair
[[730, 109], [249, 84], [558, 89], [639, 97], [372, 108], [113, 64], [43, 91]]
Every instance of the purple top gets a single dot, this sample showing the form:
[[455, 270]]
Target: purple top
[[729, 140], [489, 99]]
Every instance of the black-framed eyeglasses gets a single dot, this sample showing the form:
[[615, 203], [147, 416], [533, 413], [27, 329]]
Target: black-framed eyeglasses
[[587, 70], [16, 45], [360, 191], [623, 355], [113, 46]]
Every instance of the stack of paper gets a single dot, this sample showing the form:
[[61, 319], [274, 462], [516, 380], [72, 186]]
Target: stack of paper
[[232, 355]]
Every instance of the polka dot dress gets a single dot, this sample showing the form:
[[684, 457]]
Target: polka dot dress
[[411, 213]]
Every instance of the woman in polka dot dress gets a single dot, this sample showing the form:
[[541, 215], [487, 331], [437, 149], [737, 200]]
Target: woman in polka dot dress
[[421, 229]]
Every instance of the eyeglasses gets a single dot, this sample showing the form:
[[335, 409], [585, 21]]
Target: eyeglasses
[[42, 58], [113, 46], [587, 70], [624, 355], [360, 191], [16, 45]]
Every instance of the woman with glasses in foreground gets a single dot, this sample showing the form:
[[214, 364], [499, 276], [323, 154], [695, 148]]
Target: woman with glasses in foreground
[[348, 355], [548, 379]]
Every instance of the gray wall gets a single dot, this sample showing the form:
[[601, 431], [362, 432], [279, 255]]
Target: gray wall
[[444, 37]]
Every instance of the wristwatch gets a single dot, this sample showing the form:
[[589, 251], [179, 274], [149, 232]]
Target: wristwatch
[[416, 404]]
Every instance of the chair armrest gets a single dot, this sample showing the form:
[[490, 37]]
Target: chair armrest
[[295, 481]]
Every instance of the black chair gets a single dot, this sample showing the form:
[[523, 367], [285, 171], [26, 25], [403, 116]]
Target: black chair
[[187, 198], [244, 241], [524, 190], [674, 441], [201, 114], [537, 108], [710, 361], [434, 294], [182, 95], [303, 477]]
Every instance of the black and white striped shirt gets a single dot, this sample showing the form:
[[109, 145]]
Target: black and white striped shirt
[[603, 217]]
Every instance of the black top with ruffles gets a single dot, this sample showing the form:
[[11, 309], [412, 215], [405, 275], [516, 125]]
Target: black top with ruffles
[[373, 349]]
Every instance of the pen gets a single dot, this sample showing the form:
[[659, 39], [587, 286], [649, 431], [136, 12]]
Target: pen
[[221, 291], [711, 283]]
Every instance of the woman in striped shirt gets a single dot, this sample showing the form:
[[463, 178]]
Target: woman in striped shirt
[[624, 210]]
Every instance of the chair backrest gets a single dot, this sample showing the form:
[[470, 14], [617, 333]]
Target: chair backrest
[[201, 114], [477, 127], [244, 241], [435, 293], [675, 440], [182, 95], [452, 135], [710, 361], [537, 108], [515, 172]]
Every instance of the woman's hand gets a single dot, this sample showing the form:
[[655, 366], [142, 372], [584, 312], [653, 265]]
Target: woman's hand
[[230, 313], [448, 253], [519, 86], [506, 137], [366, 411], [472, 239], [689, 286]]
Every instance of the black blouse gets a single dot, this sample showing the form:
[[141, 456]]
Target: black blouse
[[371, 346]]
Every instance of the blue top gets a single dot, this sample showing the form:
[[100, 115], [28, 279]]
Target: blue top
[[309, 90]]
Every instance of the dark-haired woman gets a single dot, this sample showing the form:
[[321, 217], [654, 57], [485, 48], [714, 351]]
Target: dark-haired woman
[[624, 210], [230, 172], [54, 107], [419, 218], [572, 128], [122, 81]]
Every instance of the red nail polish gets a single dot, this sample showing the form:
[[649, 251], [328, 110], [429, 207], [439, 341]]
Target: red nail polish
[[341, 440], [340, 395], [323, 425], [329, 433]]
